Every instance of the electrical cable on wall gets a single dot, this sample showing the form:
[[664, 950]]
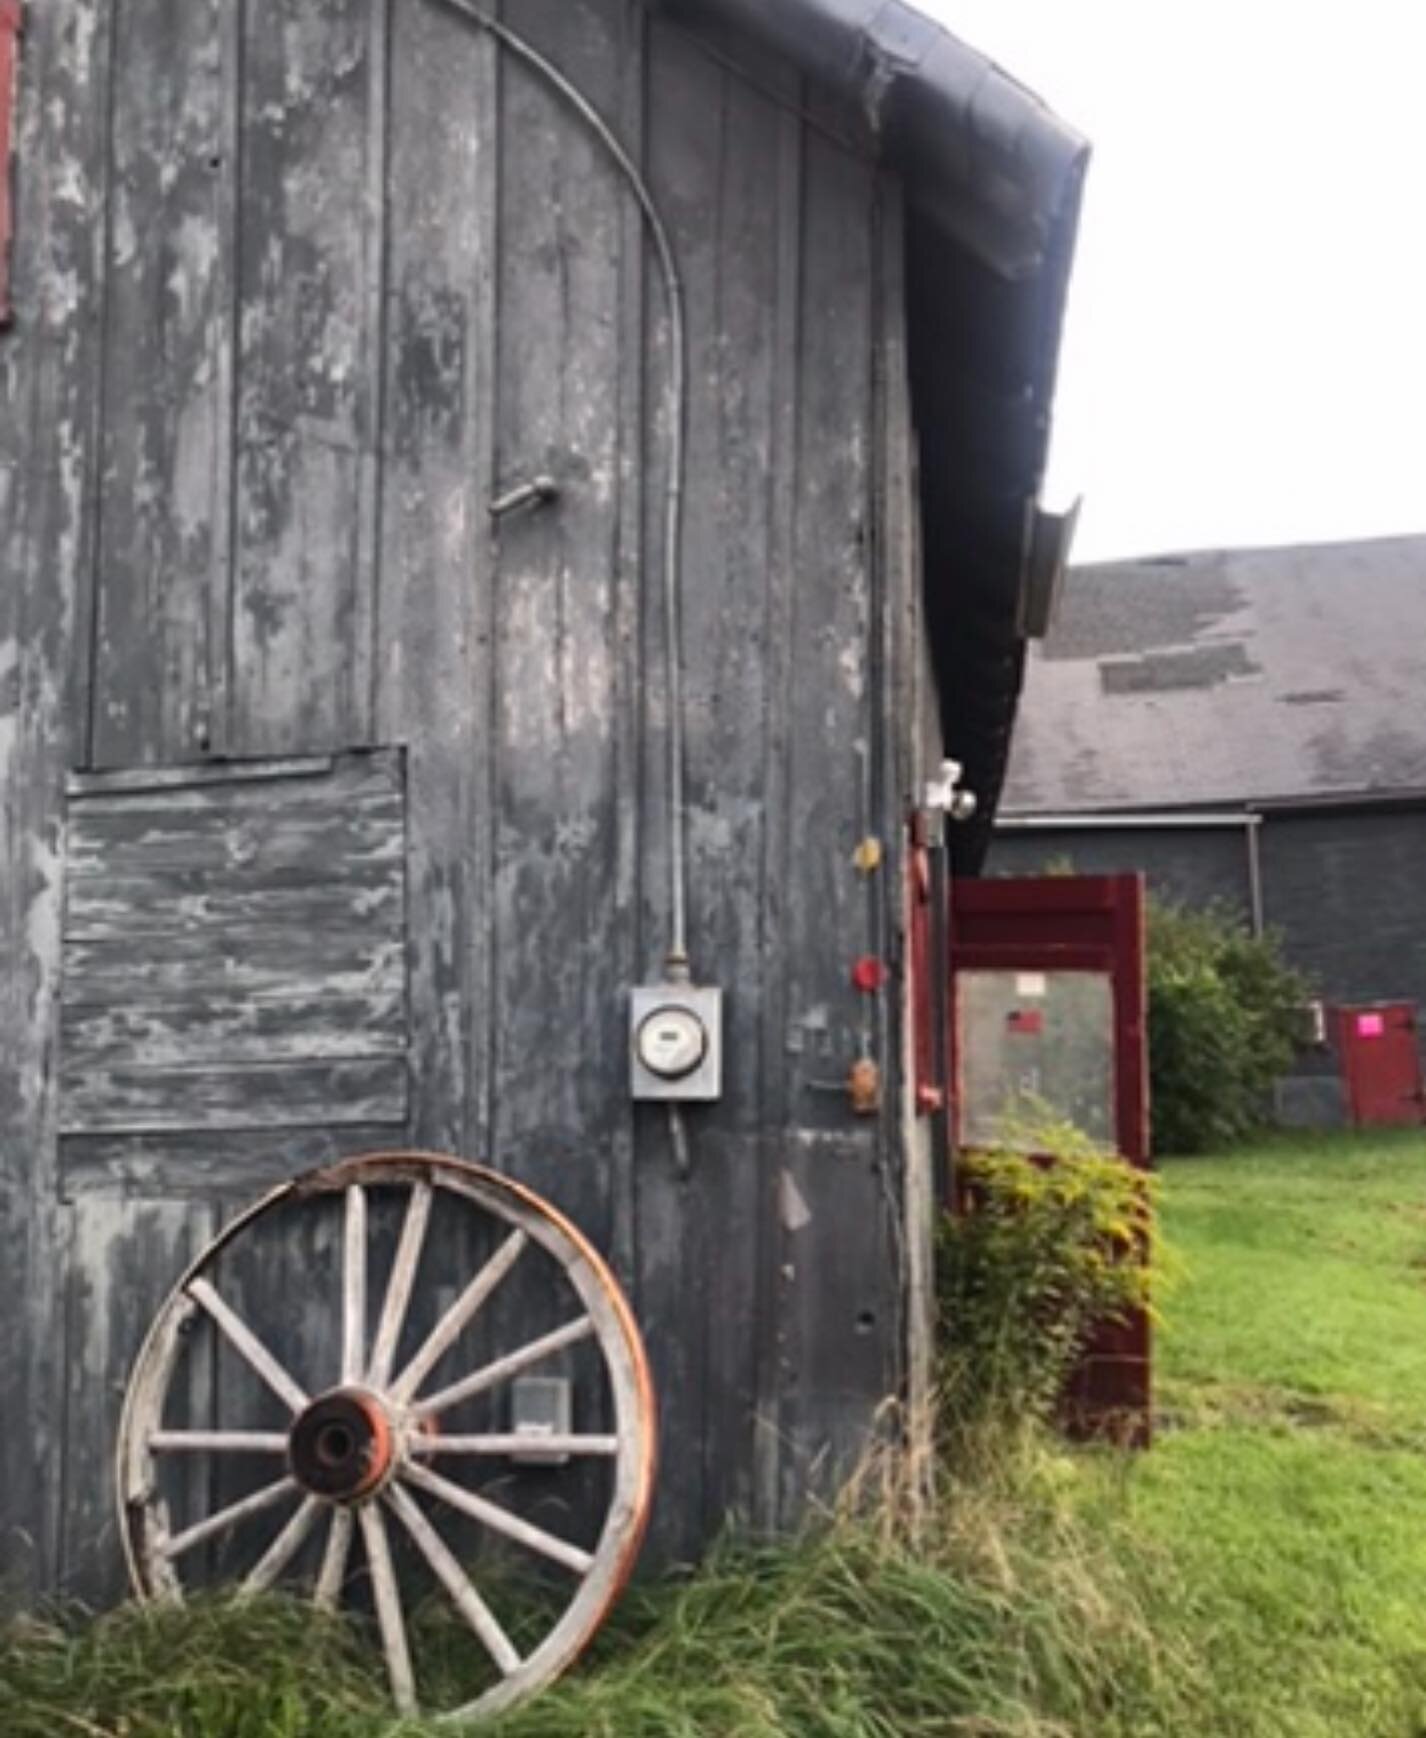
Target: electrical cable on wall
[[677, 962]]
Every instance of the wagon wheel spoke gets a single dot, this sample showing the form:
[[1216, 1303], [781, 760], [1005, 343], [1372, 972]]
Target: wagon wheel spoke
[[506, 1443], [283, 1548], [229, 1517], [218, 1442], [399, 1287], [491, 1375], [246, 1343], [334, 1560], [390, 1620], [461, 1313], [453, 1578], [354, 1284], [500, 1520]]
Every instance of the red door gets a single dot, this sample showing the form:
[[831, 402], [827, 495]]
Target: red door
[[1381, 1064], [1048, 999]]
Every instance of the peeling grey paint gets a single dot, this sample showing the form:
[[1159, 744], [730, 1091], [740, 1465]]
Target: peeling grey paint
[[353, 275]]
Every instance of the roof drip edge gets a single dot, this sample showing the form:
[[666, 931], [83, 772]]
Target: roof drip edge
[[983, 156]]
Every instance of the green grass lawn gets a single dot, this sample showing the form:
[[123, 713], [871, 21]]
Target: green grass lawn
[[1288, 1483]]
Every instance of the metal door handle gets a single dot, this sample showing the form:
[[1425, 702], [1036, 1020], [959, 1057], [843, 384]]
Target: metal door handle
[[536, 492]]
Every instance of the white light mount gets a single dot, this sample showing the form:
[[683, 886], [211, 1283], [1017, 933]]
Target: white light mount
[[676, 1042]]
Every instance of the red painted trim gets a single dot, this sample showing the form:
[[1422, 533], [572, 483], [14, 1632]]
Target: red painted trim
[[1131, 1021], [1053, 894], [927, 1088], [10, 26]]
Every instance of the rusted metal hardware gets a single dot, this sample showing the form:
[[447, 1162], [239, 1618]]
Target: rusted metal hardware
[[343, 1446], [864, 1087]]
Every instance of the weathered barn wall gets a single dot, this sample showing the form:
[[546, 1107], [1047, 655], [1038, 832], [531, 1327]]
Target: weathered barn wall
[[1344, 887], [1340, 885], [1195, 865], [298, 291]]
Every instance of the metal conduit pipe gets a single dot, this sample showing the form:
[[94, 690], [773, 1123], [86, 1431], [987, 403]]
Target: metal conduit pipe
[[677, 395]]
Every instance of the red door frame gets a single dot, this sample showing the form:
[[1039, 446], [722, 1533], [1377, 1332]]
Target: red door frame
[[1090, 923]]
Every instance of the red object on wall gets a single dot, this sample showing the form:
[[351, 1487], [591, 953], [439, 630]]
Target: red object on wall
[[868, 974], [1093, 924], [1381, 1064], [10, 16], [930, 1094]]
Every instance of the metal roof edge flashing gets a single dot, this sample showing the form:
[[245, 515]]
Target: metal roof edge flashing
[[1126, 820], [984, 157]]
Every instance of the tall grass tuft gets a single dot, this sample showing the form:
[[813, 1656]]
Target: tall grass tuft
[[990, 1611], [262, 1669]]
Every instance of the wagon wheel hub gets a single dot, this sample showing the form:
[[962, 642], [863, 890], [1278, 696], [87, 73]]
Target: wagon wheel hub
[[343, 1446]]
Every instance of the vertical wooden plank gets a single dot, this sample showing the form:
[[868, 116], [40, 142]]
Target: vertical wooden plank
[[121, 1259], [683, 133], [773, 1346], [628, 606], [837, 1364], [164, 384], [49, 373], [560, 1058], [907, 759], [712, 138], [10, 25], [313, 142], [436, 599]]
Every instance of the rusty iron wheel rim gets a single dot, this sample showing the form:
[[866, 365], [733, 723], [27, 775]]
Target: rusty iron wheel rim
[[358, 1450]]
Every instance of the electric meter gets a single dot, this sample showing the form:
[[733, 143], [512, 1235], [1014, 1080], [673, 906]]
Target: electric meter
[[676, 1034], [671, 1042]]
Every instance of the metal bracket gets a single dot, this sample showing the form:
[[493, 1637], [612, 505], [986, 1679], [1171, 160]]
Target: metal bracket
[[536, 493], [943, 799]]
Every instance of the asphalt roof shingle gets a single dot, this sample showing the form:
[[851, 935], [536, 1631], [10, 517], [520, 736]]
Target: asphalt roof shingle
[[1226, 677]]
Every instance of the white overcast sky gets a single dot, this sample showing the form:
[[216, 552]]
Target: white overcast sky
[[1245, 352]]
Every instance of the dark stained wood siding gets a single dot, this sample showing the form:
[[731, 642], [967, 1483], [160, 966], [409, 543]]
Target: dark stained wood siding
[[305, 289]]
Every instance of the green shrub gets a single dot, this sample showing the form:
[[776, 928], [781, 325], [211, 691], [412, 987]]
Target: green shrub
[[1041, 1254], [1224, 1012]]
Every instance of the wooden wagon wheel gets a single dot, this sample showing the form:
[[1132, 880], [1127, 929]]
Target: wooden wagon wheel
[[354, 1456]]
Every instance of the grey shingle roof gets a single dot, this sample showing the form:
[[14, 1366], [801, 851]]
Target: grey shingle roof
[[1228, 676]]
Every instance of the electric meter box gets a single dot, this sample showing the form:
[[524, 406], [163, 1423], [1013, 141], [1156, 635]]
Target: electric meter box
[[676, 1042]]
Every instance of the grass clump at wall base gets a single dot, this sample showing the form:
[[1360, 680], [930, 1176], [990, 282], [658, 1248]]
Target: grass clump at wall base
[[211, 1669], [996, 1614]]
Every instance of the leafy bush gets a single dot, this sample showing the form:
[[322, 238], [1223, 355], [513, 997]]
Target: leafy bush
[[1224, 1013], [1041, 1254]]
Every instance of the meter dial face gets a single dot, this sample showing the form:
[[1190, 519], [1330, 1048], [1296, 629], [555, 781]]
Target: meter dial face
[[671, 1042]]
